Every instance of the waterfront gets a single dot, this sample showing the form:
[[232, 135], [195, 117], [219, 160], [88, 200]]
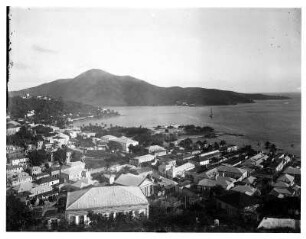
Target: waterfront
[[277, 121]]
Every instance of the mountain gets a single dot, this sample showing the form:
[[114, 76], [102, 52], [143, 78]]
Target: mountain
[[100, 88]]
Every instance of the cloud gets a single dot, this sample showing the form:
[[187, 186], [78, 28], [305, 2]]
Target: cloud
[[43, 50]]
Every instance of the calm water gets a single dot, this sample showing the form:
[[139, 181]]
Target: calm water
[[277, 121]]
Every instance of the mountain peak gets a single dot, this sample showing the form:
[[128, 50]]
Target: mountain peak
[[93, 73]]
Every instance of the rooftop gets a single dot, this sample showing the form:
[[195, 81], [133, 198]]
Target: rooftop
[[105, 197], [129, 180]]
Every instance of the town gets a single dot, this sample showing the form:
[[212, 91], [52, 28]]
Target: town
[[172, 178]]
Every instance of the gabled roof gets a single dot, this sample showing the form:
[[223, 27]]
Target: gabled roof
[[105, 197], [207, 183], [231, 169], [293, 171], [244, 189], [249, 180], [274, 223], [286, 178], [129, 180], [281, 184], [224, 181]]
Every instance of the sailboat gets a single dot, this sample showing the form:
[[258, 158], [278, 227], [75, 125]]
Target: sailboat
[[211, 113]]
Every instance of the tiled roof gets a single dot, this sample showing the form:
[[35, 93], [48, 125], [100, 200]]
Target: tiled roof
[[129, 180], [104, 197]]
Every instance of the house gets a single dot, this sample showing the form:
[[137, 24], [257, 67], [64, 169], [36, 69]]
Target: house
[[166, 185], [41, 175], [246, 189], [282, 192], [256, 160], [251, 180], [55, 172], [180, 170], [49, 181], [295, 172], [206, 184], [23, 187], [225, 182], [11, 129], [143, 183], [228, 171], [211, 154], [87, 134], [237, 204], [21, 178], [231, 148], [156, 150], [166, 163], [142, 159], [74, 171], [35, 170], [18, 161], [268, 223], [13, 169], [199, 161], [286, 178], [107, 138], [38, 190], [112, 200], [125, 143]]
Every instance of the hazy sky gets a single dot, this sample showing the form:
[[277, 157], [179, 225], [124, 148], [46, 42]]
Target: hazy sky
[[245, 50]]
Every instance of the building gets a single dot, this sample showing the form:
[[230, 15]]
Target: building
[[180, 170], [246, 189], [21, 178], [228, 171], [125, 143], [73, 171], [143, 183], [18, 161], [35, 170], [142, 159], [48, 181], [13, 169], [238, 205], [156, 150], [206, 184], [106, 201], [268, 223]]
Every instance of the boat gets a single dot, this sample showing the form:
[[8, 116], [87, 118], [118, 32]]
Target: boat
[[211, 113]]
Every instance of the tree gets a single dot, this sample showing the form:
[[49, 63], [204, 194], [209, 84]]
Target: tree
[[18, 215], [267, 145], [222, 143], [114, 146], [60, 155], [38, 157]]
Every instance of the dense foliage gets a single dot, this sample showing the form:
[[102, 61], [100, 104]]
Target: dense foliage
[[18, 215], [22, 138]]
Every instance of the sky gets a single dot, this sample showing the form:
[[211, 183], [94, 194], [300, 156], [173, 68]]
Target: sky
[[244, 50]]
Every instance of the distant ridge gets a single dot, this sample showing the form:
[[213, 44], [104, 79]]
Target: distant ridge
[[100, 88]]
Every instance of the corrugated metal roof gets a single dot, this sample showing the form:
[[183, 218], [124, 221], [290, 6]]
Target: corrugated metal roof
[[103, 197]]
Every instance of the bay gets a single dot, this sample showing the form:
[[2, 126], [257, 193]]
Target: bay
[[277, 121]]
